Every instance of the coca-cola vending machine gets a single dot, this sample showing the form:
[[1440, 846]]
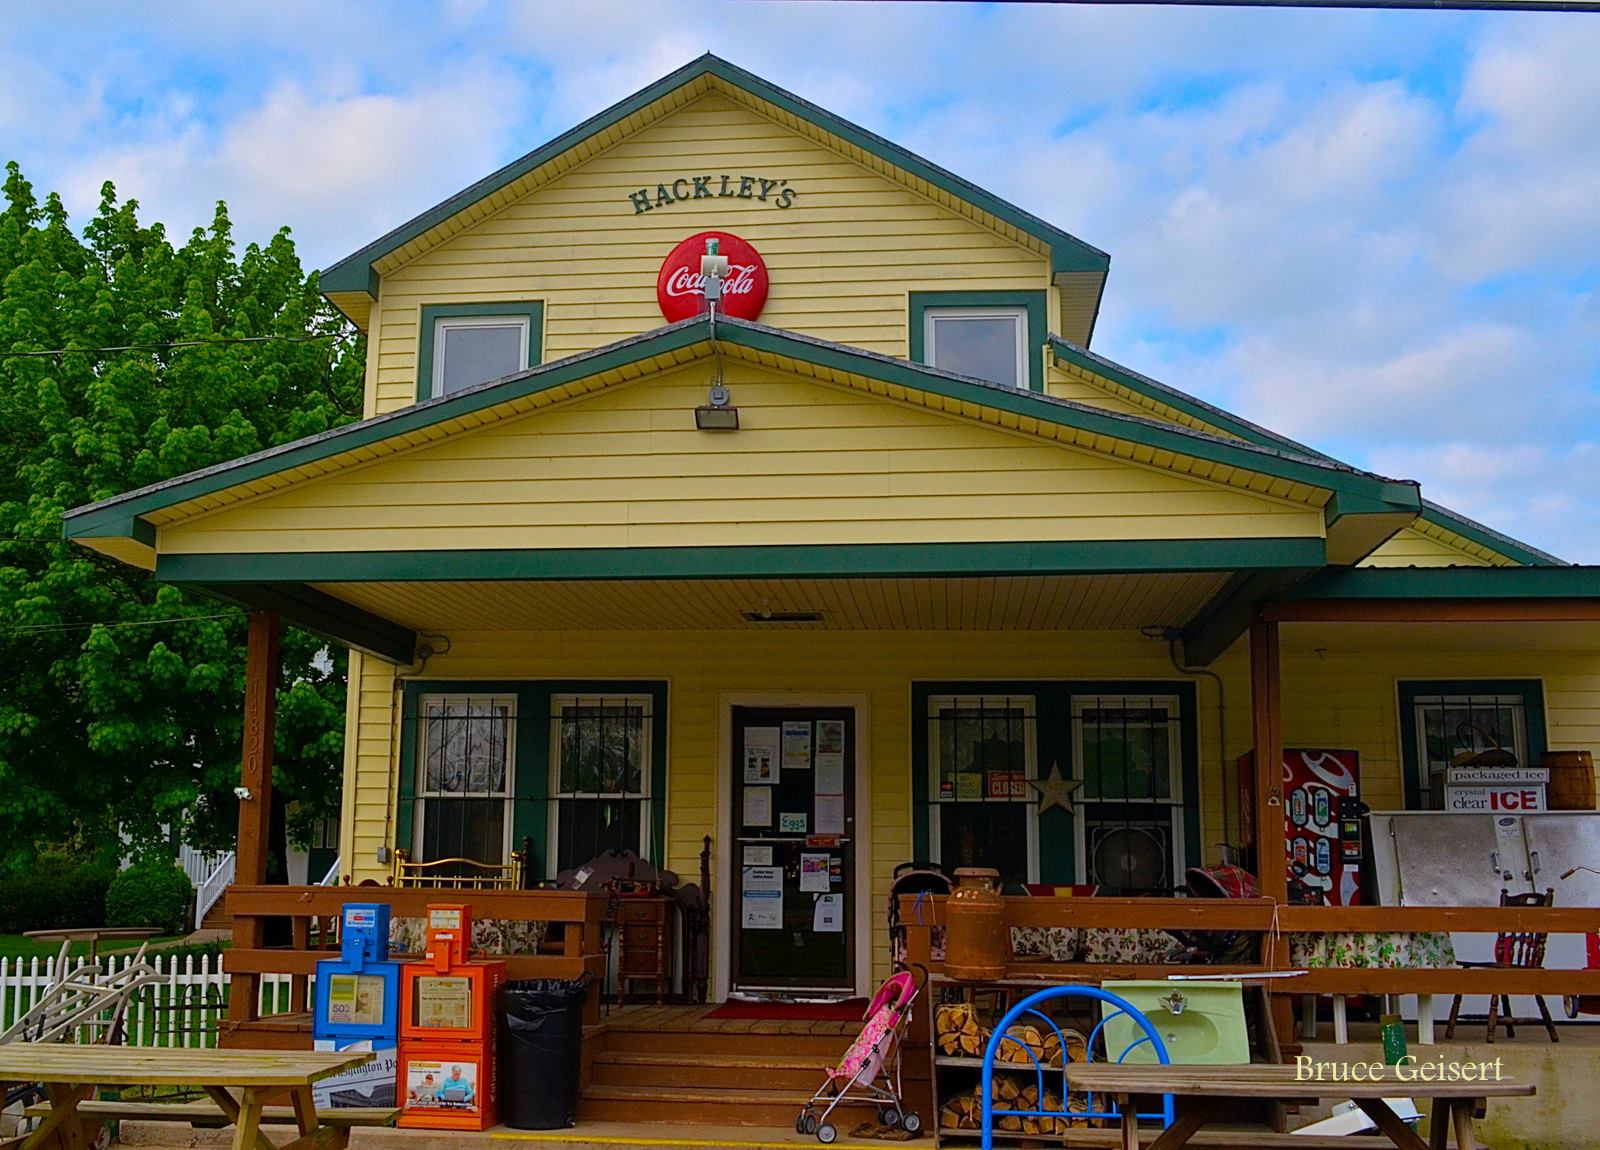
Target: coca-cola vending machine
[[1322, 811]]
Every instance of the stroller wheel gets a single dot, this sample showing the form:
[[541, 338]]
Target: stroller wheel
[[811, 1124], [1569, 1003], [826, 1133], [800, 1123], [912, 1122], [888, 1116]]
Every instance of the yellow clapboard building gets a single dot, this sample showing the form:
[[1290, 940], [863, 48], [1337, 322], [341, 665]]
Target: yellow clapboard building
[[870, 561]]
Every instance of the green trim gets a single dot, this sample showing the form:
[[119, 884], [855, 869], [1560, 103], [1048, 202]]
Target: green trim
[[1531, 691], [1032, 301], [111, 516], [1169, 396], [530, 817], [322, 615], [864, 560], [532, 310], [1226, 616], [1567, 582], [1052, 700], [1067, 253]]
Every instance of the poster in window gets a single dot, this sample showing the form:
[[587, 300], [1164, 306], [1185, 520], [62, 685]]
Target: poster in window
[[355, 999], [969, 786], [830, 775], [797, 746], [761, 755], [830, 738], [827, 914], [444, 1003], [761, 897], [1008, 785], [792, 823], [814, 872], [451, 1085], [758, 806], [830, 815]]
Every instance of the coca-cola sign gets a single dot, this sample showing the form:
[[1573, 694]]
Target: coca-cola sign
[[680, 289]]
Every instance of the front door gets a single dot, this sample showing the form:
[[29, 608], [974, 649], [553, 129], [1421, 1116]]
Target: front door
[[793, 800]]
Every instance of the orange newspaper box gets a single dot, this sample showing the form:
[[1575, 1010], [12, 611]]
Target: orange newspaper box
[[448, 1079]]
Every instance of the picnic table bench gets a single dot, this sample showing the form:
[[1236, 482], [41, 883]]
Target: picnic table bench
[[1201, 1092], [71, 1073]]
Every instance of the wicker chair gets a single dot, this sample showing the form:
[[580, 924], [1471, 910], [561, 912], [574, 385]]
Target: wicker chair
[[1513, 950]]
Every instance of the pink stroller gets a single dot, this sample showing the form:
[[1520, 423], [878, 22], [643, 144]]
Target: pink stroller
[[873, 1057]]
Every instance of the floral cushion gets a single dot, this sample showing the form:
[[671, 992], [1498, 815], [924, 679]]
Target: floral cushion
[[1132, 944], [1421, 950], [489, 935], [1047, 943]]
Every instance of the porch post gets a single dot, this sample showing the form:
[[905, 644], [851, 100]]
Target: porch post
[[263, 662], [1266, 720]]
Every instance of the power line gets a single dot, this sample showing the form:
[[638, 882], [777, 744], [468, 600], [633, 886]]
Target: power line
[[170, 345], [43, 628]]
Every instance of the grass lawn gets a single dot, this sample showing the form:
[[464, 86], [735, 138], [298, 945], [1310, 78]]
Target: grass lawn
[[16, 946]]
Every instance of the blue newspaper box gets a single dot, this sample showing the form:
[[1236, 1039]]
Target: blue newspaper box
[[358, 993]]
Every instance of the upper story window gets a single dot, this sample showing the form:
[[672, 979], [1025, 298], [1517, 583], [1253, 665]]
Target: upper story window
[[463, 345], [989, 335], [983, 342]]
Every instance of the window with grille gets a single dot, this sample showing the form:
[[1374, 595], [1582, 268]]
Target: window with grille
[[982, 750], [599, 777], [464, 783], [1130, 807], [1464, 725]]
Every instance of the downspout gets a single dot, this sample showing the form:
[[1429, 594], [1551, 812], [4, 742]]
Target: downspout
[[430, 646], [1172, 636]]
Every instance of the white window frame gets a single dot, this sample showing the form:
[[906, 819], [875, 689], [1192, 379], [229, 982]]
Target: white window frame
[[646, 798], [423, 797], [1027, 704], [1018, 315], [1517, 703], [1175, 802], [441, 342]]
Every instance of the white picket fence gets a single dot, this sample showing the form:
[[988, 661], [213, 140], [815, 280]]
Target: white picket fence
[[183, 1010]]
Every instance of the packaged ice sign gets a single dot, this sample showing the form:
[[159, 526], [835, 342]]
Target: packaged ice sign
[[1482, 800], [681, 290]]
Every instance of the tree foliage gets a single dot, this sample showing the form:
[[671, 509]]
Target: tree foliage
[[120, 699]]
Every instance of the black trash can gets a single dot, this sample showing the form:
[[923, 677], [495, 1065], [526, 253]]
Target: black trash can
[[541, 1030]]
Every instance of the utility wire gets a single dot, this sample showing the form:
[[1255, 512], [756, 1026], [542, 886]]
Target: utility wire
[[170, 345], [43, 628]]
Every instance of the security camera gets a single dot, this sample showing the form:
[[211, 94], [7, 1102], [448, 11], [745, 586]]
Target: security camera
[[242, 794]]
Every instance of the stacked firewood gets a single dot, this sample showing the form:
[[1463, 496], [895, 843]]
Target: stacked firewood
[[965, 1112], [1024, 1047], [959, 1033]]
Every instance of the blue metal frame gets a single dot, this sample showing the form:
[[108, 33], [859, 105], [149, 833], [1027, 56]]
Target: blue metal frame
[[1029, 1005]]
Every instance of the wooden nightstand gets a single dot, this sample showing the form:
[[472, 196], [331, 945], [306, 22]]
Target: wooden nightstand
[[644, 944]]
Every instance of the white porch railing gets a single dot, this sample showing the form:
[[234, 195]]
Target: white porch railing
[[199, 866], [212, 887], [183, 1010], [332, 877]]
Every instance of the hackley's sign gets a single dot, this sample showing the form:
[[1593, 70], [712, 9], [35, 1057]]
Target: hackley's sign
[[776, 193]]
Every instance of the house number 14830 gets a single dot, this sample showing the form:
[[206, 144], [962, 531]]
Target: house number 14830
[[777, 193]]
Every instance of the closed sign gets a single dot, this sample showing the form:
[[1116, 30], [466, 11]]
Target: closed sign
[[1493, 800]]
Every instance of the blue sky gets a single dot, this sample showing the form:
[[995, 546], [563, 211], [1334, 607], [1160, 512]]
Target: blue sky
[[1378, 233]]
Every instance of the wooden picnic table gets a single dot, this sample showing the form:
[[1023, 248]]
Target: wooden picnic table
[[71, 1073], [93, 935], [1203, 1091]]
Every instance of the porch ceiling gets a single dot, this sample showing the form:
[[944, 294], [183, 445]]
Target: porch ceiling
[[1020, 603]]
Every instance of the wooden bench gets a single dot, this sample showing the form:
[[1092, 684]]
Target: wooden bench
[[208, 1115], [1244, 1140]]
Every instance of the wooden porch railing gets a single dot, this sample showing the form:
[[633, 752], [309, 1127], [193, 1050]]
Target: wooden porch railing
[[571, 947], [1262, 917]]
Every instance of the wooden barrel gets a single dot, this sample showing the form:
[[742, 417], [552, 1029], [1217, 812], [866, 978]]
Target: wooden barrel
[[1571, 786]]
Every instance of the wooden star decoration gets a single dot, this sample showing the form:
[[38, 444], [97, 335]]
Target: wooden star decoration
[[1055, 791]]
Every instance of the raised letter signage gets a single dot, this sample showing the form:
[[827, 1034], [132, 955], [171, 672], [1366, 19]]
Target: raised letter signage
[[680, 290]]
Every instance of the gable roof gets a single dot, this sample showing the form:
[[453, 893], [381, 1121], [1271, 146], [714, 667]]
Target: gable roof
[[358, 273], [1263, 468], [1209, 414]]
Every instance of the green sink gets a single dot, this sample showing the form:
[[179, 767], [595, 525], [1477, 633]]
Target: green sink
[[1207, 1027]]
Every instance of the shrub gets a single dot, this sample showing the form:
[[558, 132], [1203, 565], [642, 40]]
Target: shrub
[[152, 892], [58, 891]]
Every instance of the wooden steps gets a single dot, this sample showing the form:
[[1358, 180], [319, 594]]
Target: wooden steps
[[677, 1066], [690, 1071]]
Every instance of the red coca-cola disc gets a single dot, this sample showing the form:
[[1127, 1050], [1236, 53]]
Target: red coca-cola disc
[[681, 292]]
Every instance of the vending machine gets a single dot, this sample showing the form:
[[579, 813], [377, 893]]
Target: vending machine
[[357, 1007], [447, 1078], [1322, 814]]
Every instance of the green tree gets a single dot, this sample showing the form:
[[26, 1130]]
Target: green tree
[[121, 700]]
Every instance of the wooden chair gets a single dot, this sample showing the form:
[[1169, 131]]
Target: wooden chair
[[459, 873], [1513, 950]]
